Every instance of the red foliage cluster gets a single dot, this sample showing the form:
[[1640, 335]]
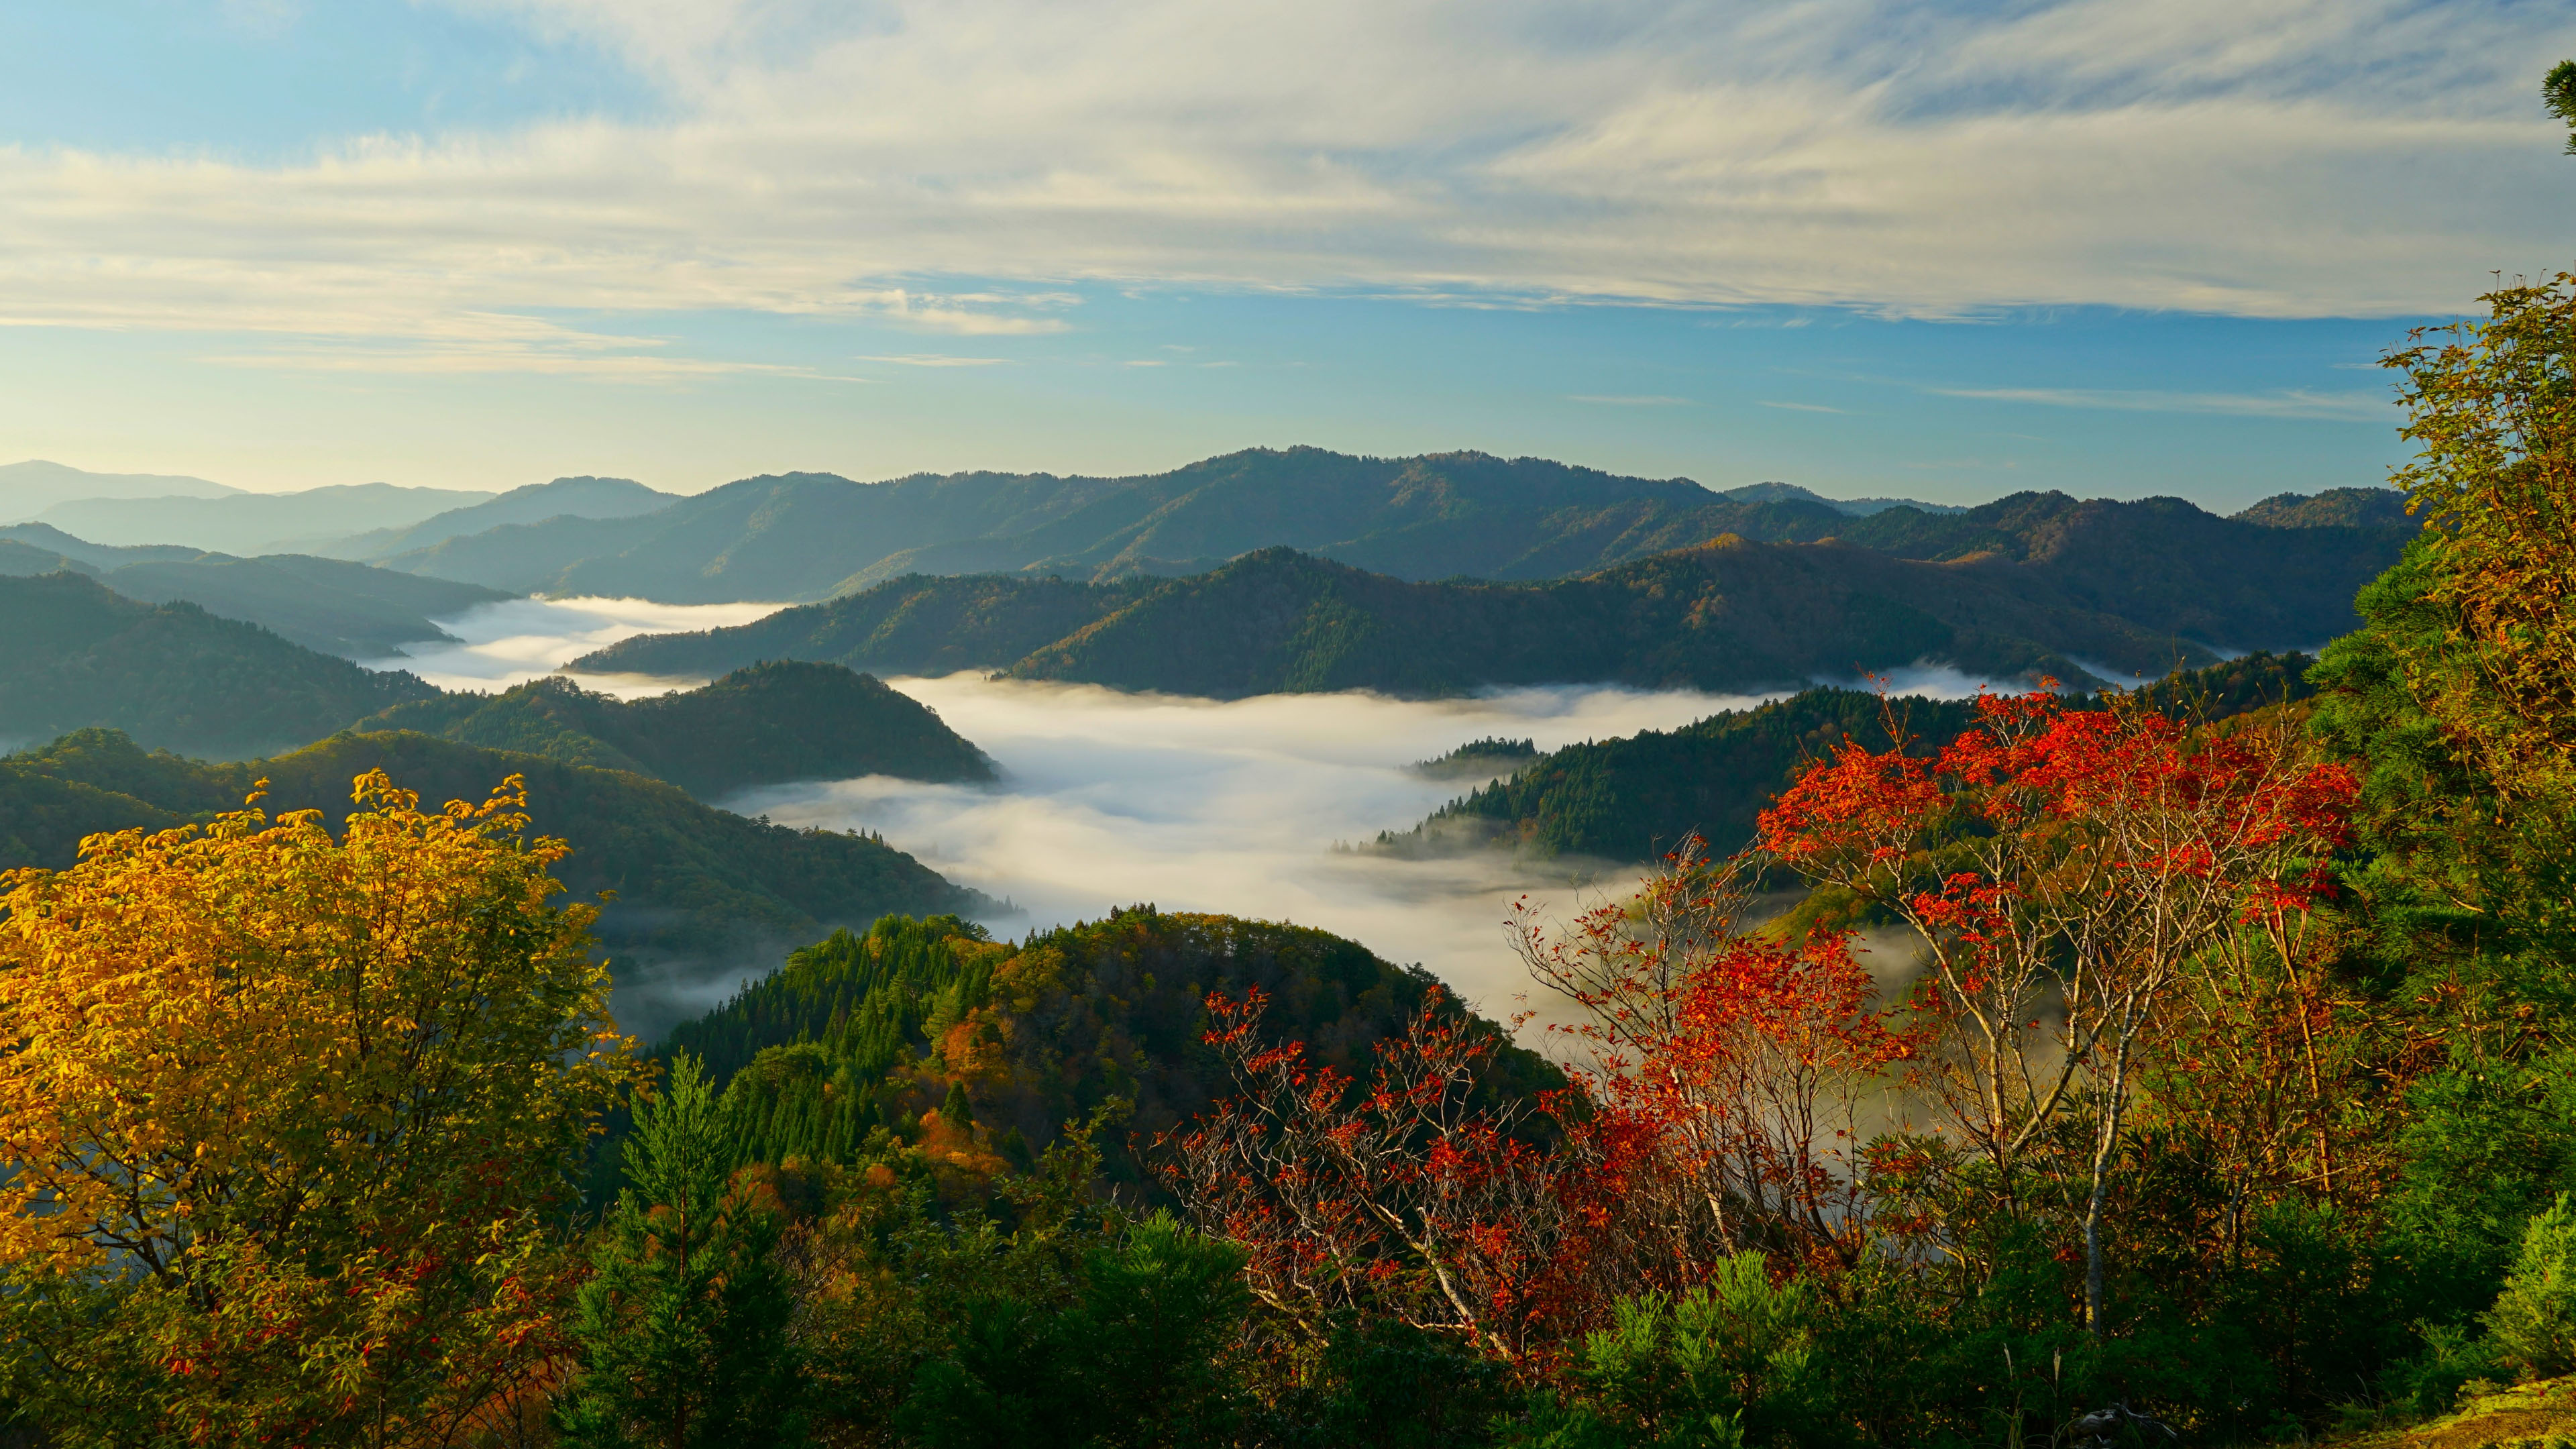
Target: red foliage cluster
[[2061, 867]]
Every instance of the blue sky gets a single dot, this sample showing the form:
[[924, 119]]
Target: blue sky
[[1933, 250]]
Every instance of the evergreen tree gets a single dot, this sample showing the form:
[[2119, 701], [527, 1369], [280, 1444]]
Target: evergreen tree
[[684, 1321]]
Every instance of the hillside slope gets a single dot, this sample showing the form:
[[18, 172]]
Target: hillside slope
[[348, 609], [1728, 615], [174, 676], [1638, 797], [764, 725], [699, 891], [580, 497], [865, 1032]]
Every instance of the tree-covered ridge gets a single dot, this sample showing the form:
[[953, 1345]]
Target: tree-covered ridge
[[806, 536], [172, 675], [916, 624], [1638, 797], [2333, 508], [348, 609], [1726, 615], [762, 725], [863, 1033], [693, 885]]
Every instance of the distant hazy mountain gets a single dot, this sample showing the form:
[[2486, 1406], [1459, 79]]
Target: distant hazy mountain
[[75, 654], [1855, 507], [53, 540], [254, 523], [337, 607], [765, 725], [803, 536], [29, 488], [341, 608], [583, 497]]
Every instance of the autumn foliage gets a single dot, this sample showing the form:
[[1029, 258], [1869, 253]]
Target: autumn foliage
[[285, 1110]]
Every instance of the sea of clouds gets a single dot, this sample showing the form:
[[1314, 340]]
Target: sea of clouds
[[1109, 799]]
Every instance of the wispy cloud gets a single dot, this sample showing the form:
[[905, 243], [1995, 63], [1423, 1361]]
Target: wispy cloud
[[1647, 400], [933, 359], [2355, 407], [2267, 158], [1797, 407]]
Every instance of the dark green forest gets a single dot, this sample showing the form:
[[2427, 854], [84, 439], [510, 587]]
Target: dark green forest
[[762, 725]]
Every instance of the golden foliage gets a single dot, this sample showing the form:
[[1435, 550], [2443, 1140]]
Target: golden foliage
[[2494, 414], [290, 1107]]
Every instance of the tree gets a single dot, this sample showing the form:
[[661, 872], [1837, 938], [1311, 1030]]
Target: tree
[[1406, 1195], [1724, 1071], [2558, 92], [2064, 867], [285, 1115], [2534, 1320], [2493, 411], [684, 1321]]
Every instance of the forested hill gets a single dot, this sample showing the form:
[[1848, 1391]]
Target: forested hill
[[1636, 798], [807, 536], [172, 675], [865, 1033], [348, 609], [698, 889], [763, 725], [1728, 615]]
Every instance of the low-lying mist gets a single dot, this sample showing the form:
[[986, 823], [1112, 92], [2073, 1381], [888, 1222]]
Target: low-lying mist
[[1109, 799]]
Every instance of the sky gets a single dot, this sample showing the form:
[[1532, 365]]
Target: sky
[[1932, 250]]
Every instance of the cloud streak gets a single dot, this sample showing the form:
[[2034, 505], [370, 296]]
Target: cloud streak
[[2354, 407], [2267, 158]]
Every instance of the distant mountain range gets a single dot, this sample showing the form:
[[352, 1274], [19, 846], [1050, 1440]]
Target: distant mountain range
[[808, 536], [342, 608], [583, 497], [29, 488], [2033, 584], [360, 522], [247, 523]]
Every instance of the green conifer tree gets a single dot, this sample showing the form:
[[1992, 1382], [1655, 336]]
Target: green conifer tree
[[684, 1321], [2533, 1323]]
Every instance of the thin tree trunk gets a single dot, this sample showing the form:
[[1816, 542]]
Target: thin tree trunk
[[2103, 1146]]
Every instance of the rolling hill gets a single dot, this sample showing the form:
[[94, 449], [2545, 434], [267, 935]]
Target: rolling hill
[[811, 536], [699, 892], [866, 1032], [1729, 615], [348, 609], [340, 608], [764, 725], [172, 675]]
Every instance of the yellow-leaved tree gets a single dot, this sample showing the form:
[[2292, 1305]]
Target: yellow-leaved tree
[[289, 1121]]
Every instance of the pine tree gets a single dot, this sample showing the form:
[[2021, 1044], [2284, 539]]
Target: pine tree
[[684, 1321]]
